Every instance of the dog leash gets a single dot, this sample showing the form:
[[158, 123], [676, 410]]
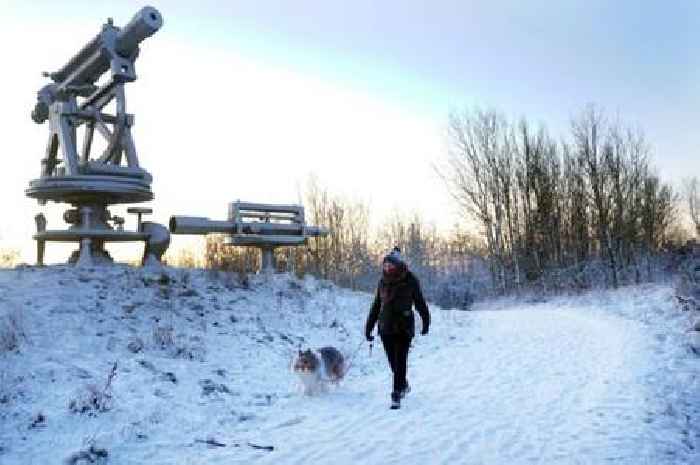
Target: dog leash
[[352, 358], [354, 354]]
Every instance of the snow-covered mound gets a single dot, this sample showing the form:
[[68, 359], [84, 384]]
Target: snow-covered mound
[[129, 366]]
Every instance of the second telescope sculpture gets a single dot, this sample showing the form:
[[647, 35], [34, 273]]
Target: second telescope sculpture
[[114, 176], [273, 226]]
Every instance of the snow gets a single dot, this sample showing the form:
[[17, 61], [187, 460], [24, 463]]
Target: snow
[[203, 375]]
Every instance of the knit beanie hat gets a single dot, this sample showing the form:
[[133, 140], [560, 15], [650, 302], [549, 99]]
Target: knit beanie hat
[[394, 257]]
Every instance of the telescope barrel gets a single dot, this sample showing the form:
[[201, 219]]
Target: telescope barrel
[[315, 231], [252, 208], [198, 225], [144, 24], [81, 57], [268, 228]]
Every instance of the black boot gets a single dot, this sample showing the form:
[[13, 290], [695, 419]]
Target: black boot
[[395, 400], [405, 390]]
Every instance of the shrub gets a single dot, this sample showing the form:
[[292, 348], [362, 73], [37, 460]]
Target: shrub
[[9, 258], [93, 455], [92, 399], [11, 331]]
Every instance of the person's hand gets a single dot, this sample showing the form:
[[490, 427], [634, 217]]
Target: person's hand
[[368, 336], [424, 331]]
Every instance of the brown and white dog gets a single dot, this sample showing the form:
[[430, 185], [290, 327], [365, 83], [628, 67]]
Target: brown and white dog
[[319, 368]]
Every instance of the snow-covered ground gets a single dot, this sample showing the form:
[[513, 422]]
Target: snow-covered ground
[[202, 375]]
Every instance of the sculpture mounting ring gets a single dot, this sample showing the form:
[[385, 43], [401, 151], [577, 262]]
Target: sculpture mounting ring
[[90, 189]]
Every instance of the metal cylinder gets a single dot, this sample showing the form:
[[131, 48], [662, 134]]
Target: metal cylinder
[[315, 231], [158, 241], [144, 24], [264, 208], [198, 225], [268, 264], [79, 59], [271, 229], [71, 216]]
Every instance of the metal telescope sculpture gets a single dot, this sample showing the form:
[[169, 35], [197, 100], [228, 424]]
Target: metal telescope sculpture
[[69, 173], [272, 226]]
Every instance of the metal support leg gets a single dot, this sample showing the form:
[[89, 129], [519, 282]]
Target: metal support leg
[[40, 247], [268, 260], [40, 220], [85, 258], [86, 217]]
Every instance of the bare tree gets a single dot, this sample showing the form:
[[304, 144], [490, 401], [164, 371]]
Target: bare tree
[[595, 151], [691, 192], [544, 206], [343, 256], [478, 151]]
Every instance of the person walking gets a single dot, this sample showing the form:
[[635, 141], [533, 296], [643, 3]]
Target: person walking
[[398, 290]]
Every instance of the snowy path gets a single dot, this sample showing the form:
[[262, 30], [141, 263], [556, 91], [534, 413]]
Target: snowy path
[[517, 387], [598, 378]]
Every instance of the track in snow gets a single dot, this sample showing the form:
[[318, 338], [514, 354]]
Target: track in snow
[[515, 387], [599, 378]]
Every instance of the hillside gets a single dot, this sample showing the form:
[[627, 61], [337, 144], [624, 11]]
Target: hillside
[[132, 366]]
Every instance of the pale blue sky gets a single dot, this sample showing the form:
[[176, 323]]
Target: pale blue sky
[[541, 58], [224, 77]]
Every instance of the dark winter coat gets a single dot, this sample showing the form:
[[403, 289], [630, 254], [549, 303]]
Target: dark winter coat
[[393, 306]]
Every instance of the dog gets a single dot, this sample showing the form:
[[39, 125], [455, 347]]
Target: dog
[[317, 369]]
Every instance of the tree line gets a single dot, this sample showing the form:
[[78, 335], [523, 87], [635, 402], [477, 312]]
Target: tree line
[[587, 210], [545, 206]]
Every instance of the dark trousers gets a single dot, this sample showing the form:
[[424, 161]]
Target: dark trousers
[[396, 347]]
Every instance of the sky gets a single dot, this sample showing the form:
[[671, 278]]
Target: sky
[[246, 99]]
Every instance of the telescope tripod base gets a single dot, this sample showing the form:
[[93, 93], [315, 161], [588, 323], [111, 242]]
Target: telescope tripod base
[[90, 255], [91, 231], [90, 250]]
